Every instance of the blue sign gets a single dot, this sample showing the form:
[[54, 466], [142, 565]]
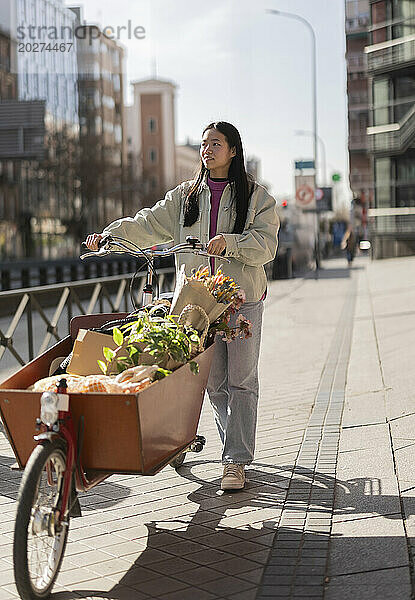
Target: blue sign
[[304, 164]]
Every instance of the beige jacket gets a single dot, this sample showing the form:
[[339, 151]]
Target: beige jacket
[[248, 251]]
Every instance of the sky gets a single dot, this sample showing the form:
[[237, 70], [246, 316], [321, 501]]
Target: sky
[[233, 62]]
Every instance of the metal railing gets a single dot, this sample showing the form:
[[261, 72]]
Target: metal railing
[[394, 141], [391, 54], [24, 273], [109, 294]]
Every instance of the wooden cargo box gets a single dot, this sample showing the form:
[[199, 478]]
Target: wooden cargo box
[[124, 433]]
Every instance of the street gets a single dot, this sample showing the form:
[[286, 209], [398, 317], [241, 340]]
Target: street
[[328, 509]]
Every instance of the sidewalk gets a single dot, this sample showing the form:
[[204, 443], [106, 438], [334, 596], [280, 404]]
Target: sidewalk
[[328, 511]]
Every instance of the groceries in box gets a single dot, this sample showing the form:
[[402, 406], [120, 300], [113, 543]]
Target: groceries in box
[[129, 357]]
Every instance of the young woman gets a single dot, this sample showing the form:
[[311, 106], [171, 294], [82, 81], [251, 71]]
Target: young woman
[[236, 218]]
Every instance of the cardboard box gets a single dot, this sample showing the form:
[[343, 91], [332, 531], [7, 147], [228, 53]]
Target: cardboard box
[[87, 350]]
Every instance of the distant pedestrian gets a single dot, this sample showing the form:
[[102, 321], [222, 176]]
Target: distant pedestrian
[[349, 244]]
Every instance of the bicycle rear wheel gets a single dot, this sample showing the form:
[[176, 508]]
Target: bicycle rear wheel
[[39, 540]]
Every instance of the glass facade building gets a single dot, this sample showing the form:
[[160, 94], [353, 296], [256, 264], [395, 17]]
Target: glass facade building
[[44, 188]]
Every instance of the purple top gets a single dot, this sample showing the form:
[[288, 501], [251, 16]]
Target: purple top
[[216, 187]]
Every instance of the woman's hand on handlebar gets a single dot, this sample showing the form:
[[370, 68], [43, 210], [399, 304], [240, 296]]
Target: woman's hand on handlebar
[[216, 245], [92, 241]]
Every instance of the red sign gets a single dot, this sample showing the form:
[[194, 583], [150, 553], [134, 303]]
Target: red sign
[[304, 195]]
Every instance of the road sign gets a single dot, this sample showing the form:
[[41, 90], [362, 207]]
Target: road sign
[[319, 194], [304, 195], [304, 164], [304, 191], [324, 203]]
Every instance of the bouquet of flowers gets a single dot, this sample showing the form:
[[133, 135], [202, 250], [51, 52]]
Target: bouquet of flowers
[[222, 287], [213, 293], [219, 296]]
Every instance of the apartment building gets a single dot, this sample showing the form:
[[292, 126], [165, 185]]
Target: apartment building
[[391, 133], [360, 165], [103, 145]]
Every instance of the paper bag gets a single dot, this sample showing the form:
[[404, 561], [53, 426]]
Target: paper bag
[[87, 350], [195, 292]]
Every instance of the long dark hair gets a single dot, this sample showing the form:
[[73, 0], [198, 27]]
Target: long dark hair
[[242, 187]]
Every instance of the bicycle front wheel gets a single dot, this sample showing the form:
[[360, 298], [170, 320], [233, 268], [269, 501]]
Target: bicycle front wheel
[[39, 540]]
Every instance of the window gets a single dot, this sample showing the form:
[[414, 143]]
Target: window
[[116, 82], [152, 124], [118, 134], [381, 101], [404, 10], [153, 155], [406, 168], [379, 15], [97, 126], [383, 182]]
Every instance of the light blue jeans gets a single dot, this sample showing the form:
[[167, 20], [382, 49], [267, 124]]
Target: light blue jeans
[[233, 388]]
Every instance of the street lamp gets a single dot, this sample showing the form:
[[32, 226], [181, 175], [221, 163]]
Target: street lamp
[[281, 13], [323, 152]]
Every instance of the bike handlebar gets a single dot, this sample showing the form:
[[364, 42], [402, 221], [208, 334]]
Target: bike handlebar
[[111, 244]]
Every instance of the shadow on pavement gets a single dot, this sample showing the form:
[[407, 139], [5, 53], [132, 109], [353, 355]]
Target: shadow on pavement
[[226, 546]]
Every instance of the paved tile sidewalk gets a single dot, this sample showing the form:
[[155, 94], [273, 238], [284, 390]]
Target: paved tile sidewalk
[[174, 536]]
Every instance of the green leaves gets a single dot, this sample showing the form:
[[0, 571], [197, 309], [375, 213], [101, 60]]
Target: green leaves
[[163, 338], [108, 353], [118, 336], [102, 366], [161, 374], [194, 367]]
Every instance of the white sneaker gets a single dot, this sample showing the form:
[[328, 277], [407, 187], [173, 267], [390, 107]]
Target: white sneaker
[[233, 477]]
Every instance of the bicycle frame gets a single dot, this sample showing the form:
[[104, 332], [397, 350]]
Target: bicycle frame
[[64, 428], [73, 466]]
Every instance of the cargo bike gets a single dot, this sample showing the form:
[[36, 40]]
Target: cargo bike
[[77, 443]]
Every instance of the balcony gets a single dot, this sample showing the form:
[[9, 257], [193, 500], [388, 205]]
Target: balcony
[[391, 55], [394, 138], [356, 62]]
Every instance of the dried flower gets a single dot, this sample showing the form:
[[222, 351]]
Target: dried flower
[[222, 287]]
